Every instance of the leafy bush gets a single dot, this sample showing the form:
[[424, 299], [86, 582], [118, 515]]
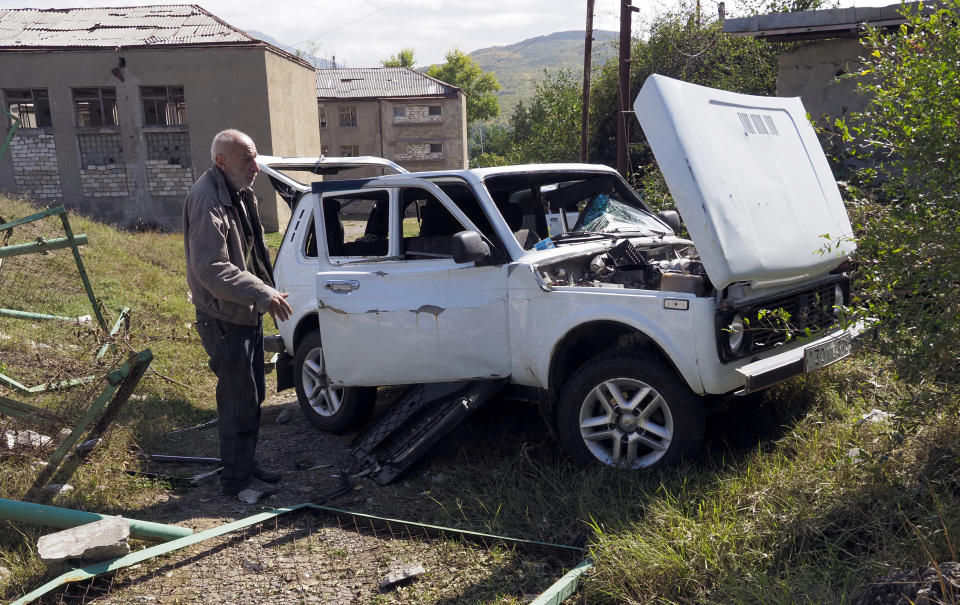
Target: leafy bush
[[906, 205]]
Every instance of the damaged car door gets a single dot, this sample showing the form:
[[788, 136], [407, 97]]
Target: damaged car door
[[389, 289]]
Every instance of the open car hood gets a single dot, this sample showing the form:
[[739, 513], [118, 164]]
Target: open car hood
[[750, 180]]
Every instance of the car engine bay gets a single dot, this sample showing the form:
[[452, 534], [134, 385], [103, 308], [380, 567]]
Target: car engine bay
[[659, 265]]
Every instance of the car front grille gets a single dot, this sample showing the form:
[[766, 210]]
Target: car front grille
[[773, 322]]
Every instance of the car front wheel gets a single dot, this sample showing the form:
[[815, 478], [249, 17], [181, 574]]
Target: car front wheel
[[629, 409], [332, 409]]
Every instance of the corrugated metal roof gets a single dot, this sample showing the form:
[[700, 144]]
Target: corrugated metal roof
[[373, 82], [110, 27]]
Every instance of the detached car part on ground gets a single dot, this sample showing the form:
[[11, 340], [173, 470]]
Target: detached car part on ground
[[619, 328]]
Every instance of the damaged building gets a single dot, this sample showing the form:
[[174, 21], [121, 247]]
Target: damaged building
[[117, 107], [396, 113]]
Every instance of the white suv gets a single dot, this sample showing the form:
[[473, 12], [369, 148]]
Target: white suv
[[617, 326]]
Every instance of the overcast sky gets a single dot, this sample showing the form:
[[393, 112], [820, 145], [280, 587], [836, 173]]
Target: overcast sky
[[360, 33]]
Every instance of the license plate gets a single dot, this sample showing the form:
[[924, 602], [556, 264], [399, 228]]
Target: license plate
[[825, 353]]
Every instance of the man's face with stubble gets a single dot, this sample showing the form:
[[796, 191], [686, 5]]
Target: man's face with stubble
[[239, 163]]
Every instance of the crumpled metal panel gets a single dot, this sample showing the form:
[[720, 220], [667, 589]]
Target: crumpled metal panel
[[366, 82], [109, 27]]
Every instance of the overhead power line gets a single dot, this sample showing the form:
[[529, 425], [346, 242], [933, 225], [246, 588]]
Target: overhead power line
[[349, 23]]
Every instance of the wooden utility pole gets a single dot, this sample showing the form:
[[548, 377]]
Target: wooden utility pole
[[623, 119], [585, 113]]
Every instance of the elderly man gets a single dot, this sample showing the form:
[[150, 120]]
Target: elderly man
[[231, 282]]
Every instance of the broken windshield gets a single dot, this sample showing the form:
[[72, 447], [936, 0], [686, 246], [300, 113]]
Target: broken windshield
[[605, 213]]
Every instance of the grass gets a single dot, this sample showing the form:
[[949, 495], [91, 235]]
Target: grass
[[797, 499]]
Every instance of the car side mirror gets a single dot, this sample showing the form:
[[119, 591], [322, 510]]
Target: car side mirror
[[671, 218], [468, 246]]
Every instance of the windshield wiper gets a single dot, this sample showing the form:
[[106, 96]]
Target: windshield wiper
[[584, 235]]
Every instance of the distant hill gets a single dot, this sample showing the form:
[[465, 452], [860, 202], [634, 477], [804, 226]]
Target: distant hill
[[317, 62], [518, 65]]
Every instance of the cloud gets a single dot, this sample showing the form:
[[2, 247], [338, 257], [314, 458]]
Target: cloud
[[362, 32]]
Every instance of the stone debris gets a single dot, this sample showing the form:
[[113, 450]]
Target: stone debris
[[915, 586], [402, 575], [285, 415], [251, 565], [87, 445], [25, 438], [89, 543], [250, 496], [258, 490], [58, 488], [4, 573]]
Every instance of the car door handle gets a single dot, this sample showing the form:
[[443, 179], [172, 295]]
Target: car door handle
[[342, 285]]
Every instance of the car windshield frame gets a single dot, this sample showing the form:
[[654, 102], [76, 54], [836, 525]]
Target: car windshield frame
[[568, 190]]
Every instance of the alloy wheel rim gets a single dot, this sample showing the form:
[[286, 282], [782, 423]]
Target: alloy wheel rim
[[625, 422], [321, 398]]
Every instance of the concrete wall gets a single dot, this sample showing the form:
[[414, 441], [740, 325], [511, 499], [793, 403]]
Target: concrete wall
[[810, 71], [294, 122], [403, 138], [130, 173]]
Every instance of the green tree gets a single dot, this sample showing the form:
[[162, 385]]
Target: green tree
[[906, 199], [676, 46], [404, 58], [549, 130], [479, 86]]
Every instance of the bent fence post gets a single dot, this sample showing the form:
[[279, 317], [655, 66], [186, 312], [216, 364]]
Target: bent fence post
[[54, 516]]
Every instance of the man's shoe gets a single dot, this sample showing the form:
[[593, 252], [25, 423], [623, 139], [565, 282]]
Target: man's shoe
[[267, 475]]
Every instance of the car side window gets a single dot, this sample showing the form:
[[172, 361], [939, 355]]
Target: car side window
[[357, 224], [428, 226], [310, 241]]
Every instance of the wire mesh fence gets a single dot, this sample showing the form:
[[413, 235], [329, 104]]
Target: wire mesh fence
[[313, 556], [53, 359]]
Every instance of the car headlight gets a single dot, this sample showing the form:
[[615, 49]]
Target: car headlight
[[837, 299], [735, 334]]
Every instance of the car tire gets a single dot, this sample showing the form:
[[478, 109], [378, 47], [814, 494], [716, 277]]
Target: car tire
[[335, 410], [628, 408]]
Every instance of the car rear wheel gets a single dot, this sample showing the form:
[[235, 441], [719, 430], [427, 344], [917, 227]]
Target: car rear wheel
[[332, 409], [629, 409]]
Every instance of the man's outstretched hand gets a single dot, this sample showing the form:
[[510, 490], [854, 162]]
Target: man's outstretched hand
[[280, 309]]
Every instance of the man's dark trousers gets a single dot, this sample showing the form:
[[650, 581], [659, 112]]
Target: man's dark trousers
[[236, 357]]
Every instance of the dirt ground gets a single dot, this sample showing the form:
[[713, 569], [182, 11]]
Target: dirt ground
[[312, 462], [309, 557]]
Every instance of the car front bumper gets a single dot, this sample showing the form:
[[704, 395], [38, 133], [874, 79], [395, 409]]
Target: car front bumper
[[771, 370]]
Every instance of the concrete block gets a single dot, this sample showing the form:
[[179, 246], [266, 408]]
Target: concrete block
[[97, 541], [401, 575]]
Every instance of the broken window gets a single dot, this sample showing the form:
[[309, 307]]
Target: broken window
[[357, 224], [323, 115], [434, 110], [163, 105], [436, 147], [349, 151], [348, 116], [95, 106], [428, 226], [32, 106], [399, 112]]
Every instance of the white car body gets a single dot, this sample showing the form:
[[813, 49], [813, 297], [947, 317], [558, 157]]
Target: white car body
[[758, 207]]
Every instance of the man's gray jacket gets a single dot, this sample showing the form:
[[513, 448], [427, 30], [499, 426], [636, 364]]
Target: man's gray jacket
[[217, 273]]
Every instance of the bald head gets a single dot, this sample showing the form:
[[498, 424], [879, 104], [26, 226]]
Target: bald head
[[235, 154]]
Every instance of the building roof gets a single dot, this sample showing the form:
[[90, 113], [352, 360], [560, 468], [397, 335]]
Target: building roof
[[805, 25], [379, 83], [124, 27]]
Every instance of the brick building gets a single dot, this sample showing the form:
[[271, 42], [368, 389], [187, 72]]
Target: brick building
[[395, 113], [118, 106]]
